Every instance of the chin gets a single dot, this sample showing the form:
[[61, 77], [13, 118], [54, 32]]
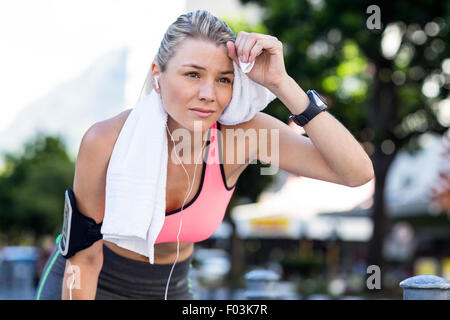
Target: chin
[[200, 125], [203, 124]]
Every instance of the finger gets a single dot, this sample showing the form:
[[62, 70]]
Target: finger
[[247, 47], [242, 35], [232, 51], [239, 37], [270, 45], [240, 49], [256, 51]]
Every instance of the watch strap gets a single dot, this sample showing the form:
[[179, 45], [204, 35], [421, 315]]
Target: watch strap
[[310, 112]]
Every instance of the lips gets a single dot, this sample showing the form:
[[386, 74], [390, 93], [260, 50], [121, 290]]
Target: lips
[[201, 112]]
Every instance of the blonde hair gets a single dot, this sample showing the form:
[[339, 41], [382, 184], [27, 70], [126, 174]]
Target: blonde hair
[[199, 24]]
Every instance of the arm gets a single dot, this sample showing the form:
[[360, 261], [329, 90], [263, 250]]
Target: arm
[[332, 156], [83, 276], [332, 144], [89, 190], [331, 153]]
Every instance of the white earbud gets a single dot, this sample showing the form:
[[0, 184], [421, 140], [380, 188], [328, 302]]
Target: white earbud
[[155, 78]]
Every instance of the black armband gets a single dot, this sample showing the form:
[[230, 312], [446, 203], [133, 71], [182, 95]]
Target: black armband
[[79, 231]]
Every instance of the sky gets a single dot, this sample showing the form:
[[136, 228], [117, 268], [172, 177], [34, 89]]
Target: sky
[[47, 42]]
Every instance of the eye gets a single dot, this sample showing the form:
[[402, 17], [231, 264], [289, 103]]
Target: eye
[[191, 73], [227, 80]]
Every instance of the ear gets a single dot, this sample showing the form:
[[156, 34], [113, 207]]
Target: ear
[[156, 73]]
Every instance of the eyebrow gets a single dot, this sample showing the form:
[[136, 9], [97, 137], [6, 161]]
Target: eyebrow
[[202, 68]]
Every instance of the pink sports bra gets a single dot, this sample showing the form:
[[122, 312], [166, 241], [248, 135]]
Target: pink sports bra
[[204, 213]]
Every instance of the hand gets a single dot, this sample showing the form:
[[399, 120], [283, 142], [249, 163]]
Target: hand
[[268, 70]]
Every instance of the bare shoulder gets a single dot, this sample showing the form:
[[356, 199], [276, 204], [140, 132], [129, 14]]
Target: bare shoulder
[[102, 135], [92, 163], [108, 130]]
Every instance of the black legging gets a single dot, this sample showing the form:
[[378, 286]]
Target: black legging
[[122, 278]]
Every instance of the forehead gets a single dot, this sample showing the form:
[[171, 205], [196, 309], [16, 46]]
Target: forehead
[[204, 53]]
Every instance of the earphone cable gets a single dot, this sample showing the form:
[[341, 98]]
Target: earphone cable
[[182, 207]]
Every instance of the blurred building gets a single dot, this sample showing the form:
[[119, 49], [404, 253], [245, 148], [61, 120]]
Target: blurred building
[[18, 272], [337, 219]]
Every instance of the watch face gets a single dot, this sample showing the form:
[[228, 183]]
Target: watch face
[[65, 235], [318, 99]]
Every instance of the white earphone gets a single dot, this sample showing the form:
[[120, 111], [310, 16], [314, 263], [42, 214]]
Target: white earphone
[[155, 78]]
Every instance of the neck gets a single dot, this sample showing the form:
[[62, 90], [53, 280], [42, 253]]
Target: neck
[[186, 142]]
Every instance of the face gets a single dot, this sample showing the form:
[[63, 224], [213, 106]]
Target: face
[[200, 75]]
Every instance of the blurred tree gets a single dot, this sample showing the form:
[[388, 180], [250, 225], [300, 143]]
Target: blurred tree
[[32, 189], [385, 85]]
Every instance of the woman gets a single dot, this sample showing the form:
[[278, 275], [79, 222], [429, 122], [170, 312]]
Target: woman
[[194, 67]]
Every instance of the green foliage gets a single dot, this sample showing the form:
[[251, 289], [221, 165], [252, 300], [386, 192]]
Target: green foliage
[[313, 285], [240, 24], [329, 47], [303, 264], [32, 188]]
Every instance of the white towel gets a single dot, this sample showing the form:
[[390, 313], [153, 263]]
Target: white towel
[[135, 199]]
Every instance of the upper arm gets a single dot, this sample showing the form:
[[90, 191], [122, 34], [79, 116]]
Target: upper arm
[[90, 171], [90, 179], [89, 188], [290, 150]]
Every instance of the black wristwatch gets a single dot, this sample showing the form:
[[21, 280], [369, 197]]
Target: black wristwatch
[[317, 105]]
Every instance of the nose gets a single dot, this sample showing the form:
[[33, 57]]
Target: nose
[[207, 92]]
